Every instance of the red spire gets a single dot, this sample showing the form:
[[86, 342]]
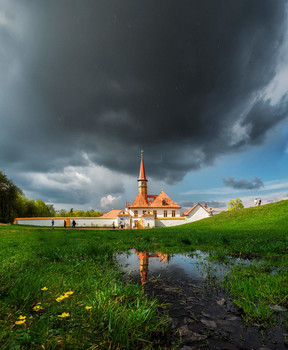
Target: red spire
[[142, 175]]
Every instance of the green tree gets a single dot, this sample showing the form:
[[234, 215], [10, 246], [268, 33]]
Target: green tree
[[77, 213], [42, 209], [8, 198], [235, 204], [51, 210]]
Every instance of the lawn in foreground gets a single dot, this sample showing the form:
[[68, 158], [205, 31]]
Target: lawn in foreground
[[58, 291], [104, 311]]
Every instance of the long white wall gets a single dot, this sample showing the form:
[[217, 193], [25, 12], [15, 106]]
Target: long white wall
[[80, 222], [41, 222], [168, 222]]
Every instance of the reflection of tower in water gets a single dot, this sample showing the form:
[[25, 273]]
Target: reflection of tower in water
[[144, 262]]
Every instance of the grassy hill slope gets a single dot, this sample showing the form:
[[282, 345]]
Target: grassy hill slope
[[258, 231]]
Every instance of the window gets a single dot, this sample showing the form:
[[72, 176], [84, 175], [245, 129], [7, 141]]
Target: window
[[155, 213], [165, 213], [144, 212], [173, 213], [136, 213]]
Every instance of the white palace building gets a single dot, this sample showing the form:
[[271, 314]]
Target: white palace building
[[146, 211]]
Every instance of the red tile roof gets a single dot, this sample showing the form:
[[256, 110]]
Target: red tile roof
[[139, 202], [163, 201], [189, 211], [112, 213]]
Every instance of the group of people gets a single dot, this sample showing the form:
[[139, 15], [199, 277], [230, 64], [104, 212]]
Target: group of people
[[257, 201], [65, 223]]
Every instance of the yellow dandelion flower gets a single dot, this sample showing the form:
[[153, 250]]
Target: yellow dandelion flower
[[20, 322], [22, 317], [64, 296], [64, 314], [69, 292], [88, 307], [36, 307], [44, 288]]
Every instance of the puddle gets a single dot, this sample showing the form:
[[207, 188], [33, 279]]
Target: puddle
[[201, 314], [142, 266]]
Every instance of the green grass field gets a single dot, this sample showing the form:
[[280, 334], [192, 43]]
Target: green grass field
[[105, 313]]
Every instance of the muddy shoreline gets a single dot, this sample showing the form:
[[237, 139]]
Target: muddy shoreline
[[204, 317]]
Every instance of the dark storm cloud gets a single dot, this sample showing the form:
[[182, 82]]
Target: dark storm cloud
[[262, 117], [108, 78], [243, 184]]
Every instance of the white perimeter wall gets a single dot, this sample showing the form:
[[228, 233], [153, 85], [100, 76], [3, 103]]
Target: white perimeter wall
[[94, 222], [41, 222], [169, 222]]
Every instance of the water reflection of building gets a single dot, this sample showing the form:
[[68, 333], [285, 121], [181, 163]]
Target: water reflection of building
[[144, 262]]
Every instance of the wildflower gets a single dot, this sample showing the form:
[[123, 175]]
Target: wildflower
[[88, 307], [22, 317], [64, 314], [64, 296], [44, 288], [69, 292], [20, 322], [37, 307]]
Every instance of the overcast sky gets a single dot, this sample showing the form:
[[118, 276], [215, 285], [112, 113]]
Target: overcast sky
[[200, 86]]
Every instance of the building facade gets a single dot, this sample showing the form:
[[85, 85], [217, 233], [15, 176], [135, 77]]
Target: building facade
[[146, 211]]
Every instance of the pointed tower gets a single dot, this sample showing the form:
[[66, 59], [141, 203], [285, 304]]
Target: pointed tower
[[142, 181]]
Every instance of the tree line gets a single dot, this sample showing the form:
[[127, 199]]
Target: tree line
[[14, 204]]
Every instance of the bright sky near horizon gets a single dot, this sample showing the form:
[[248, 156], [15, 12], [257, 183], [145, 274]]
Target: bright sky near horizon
[[200, 86]]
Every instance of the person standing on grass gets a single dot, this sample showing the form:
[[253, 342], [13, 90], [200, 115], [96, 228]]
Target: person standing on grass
[[256, 202], [52, 223], [73, 223], [259, 201], [64, 223]]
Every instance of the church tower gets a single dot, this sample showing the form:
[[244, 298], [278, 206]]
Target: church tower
[[142, 181]]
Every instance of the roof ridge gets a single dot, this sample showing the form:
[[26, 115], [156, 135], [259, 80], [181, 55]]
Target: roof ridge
[[161, 198], [139, 201]]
